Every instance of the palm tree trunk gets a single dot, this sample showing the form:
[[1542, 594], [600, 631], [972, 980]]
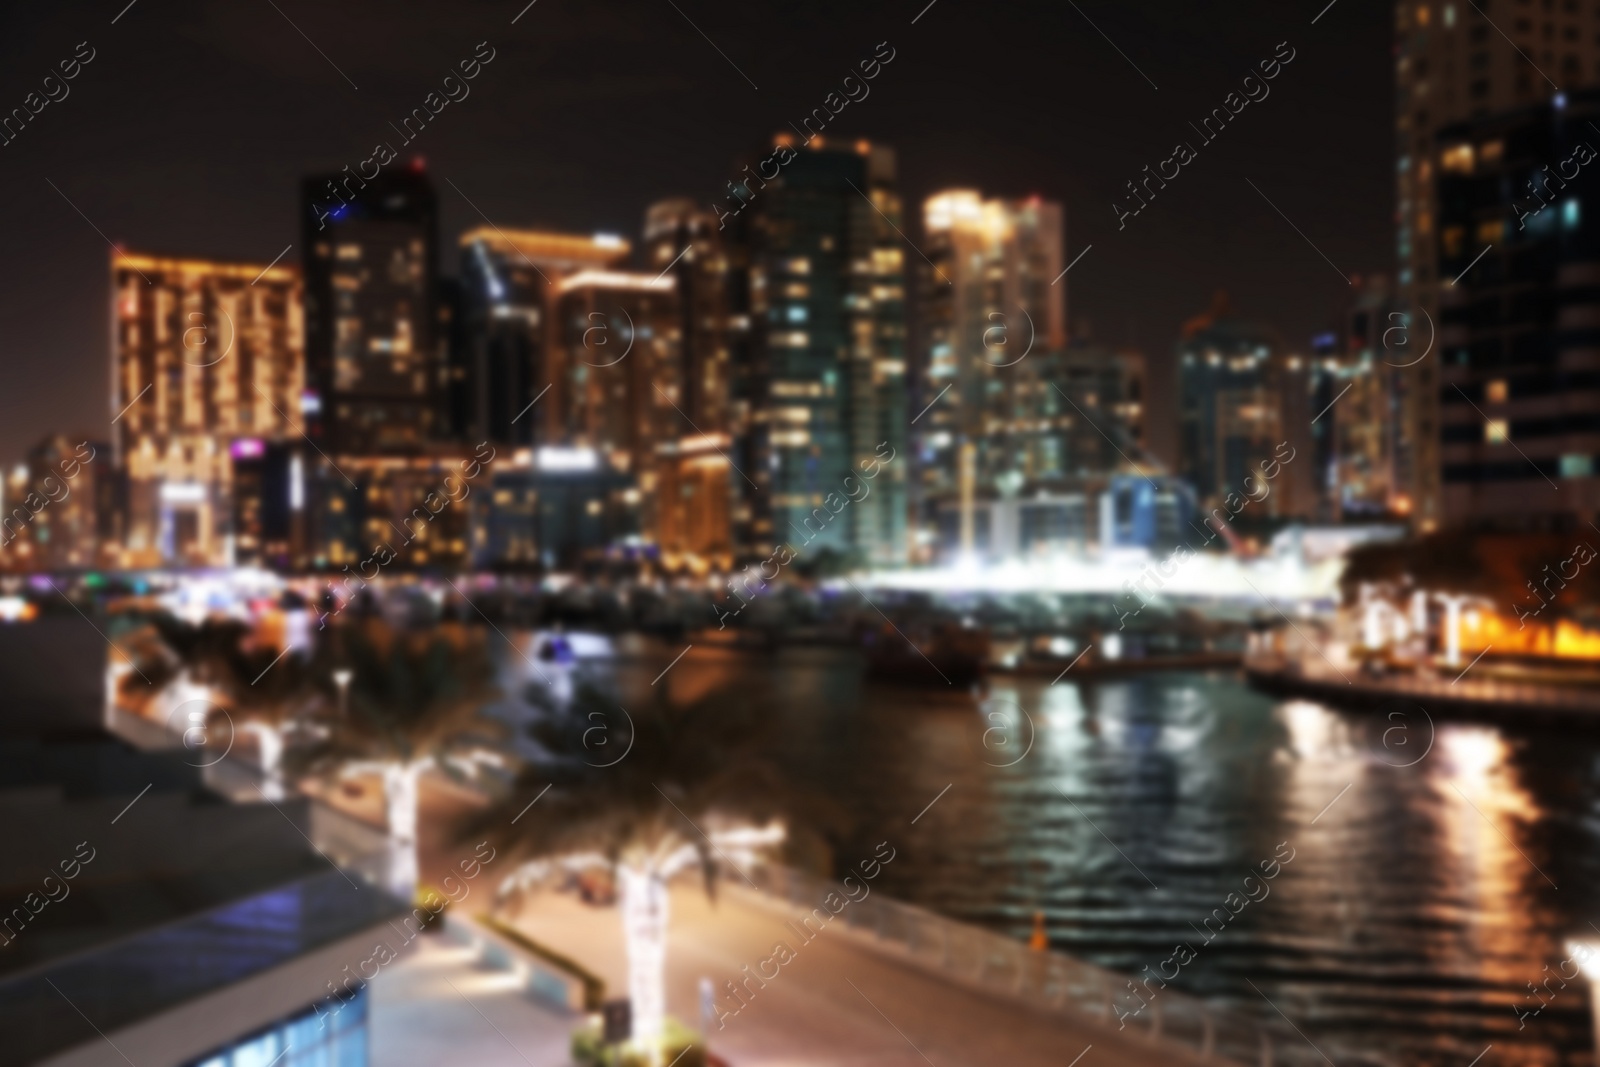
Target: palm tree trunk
[[644, 929], [269, 742], [400, 795]]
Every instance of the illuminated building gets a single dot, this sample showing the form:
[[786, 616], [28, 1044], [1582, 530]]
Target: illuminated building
[[1072, 435], [374, 513], [691, 511], [1520, 385], [682, 240], [1453, 64], [59, 507], [203, 354], [510, 350], [553, 507], [618, 390], [827, 367], [269, 502], [372, 366], [1364, 426], [1242, 402], [701, 499], [989, 315]]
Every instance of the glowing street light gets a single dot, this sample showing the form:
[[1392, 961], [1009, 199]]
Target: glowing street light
[[341, 678]]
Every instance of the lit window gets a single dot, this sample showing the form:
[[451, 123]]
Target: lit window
[[1495, 392], [1490, 151], [1457, 159], [1449, 16], [1423, 15], [1577, 466], [1496, 431], [1569, 214], [1491, 231]]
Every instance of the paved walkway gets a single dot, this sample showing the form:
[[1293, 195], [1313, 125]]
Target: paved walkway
[[434, 1007], [837, 1003]]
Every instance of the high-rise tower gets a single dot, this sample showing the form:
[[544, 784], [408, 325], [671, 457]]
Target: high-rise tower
[[369, 255]]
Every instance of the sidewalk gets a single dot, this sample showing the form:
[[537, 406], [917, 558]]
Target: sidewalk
[[837, 1003], [434, 1007]]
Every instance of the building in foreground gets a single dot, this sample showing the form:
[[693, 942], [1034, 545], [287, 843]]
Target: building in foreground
[[1519, 334], [1458, 61], [151, 921]]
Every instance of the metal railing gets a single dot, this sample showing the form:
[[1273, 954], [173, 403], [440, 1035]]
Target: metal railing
[[1048, 980]]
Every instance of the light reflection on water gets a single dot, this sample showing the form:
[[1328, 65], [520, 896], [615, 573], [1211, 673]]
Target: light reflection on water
[[1419, 903]]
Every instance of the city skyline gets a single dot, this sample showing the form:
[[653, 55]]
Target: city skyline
[[587, 185]]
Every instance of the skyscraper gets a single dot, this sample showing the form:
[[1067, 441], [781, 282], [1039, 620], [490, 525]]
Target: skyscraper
[[1243, 401], [620, 370], [1368, 385], [991, 318], [370, 291], [204, 354], [511, 347], [700, 497], [1452, 64], [1519, 410], [827, 374]]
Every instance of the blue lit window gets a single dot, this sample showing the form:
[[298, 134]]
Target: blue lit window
[[1577, 466], [797, 313], [1569, 214], [334, 1037]]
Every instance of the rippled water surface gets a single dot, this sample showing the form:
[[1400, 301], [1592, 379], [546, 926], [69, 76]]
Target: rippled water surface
[[1435, 870]]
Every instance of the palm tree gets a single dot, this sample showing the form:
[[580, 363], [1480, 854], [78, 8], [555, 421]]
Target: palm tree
[[174, 663], [413, 701], [646, 795], [269, 694]]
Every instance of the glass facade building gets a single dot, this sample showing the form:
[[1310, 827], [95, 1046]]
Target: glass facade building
[[312, 1038]]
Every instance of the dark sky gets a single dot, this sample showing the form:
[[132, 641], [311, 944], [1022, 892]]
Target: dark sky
[[188, 130]]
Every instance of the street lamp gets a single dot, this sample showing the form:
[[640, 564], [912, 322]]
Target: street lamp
[[341, 678]]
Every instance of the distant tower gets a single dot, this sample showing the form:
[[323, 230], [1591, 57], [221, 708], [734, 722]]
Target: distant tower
[[827, 371], [512, 346], [205, 355], [701, 498], [991, 316], [1241, 397], [369, 255]]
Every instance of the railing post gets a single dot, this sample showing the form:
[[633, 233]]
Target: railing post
[[1266, 1049]]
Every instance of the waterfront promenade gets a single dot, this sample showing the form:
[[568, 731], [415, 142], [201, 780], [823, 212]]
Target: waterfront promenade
[[1462, 693], [837, 1004]]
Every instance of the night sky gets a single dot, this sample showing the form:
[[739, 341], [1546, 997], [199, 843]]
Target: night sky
[[188, 130]]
